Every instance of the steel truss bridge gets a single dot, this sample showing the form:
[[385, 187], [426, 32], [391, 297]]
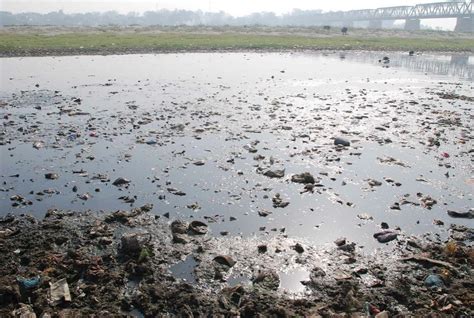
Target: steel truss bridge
[[412, 14]]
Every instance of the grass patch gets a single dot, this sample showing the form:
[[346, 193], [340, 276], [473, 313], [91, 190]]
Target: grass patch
[[11, 43]]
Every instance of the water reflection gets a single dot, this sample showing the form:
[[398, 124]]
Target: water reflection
[[238, 100], [459, 65]]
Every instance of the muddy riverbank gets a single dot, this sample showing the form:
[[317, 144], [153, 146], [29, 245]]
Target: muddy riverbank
[[250, 179], [118, 264]]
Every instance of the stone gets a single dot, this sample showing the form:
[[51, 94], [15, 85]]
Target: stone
[[386, 236], [342, 141], [467, 215], [120, 182], [274, 173], [304, 177], [179, 227], [51, 176], [225, 260], [278, 202], [198, 227], [340, 241], [132, 243], [298, 248], [267, 279]]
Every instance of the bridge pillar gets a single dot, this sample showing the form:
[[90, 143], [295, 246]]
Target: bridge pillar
[[464, 25], [412, 24], [375, 24]]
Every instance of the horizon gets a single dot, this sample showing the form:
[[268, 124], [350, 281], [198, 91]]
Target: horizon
[[242, 8]]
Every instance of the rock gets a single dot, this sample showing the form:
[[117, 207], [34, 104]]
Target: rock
[[348, 247], [264, 213], [267, 279], [395, 206], [176, 191], [38, 145], [386, 236], [198, 227], [133, 243], [468, 214], [224, 260], [120, 182], [274, 173], [374, 183], [298, 248], [309, 187], [342, 141], [434, 281], [51, 176], [118, 216], [179, 227], [340, 241], [428, 202], [199, 163], [85, 196], [304, 177], [316, 273], [365, 216], [180, 238], [147, 207], [278, 202]]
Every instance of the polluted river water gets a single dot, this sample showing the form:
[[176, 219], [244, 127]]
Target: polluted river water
[[218, 137]]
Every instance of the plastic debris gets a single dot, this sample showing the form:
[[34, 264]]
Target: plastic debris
[[59, 292], [28, 283]]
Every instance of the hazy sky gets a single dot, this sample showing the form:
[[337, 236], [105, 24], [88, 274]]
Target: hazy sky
[[234, 7]]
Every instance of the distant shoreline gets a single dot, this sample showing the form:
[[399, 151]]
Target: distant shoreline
[[139, 51], [62, 41]]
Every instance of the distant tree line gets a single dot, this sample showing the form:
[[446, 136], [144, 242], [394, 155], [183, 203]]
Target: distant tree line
[[159, 17]]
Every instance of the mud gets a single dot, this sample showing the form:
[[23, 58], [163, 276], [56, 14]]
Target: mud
[[213, 184], [107, 279]]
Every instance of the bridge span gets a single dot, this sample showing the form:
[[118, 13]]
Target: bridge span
[[412, 15]]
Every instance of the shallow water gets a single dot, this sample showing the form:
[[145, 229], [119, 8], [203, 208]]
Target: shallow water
[[215, 107]]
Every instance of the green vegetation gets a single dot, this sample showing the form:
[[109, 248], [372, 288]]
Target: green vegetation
[[12, 43]]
